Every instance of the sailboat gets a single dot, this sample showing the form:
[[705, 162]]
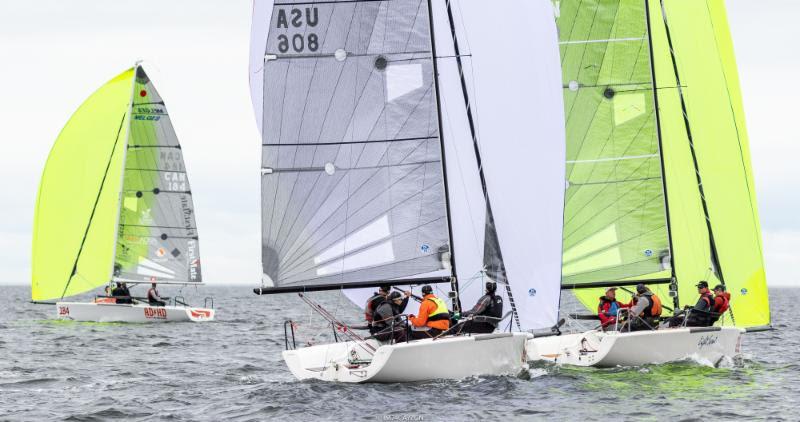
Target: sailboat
[[377, 168], [115, 205], [660, 185]]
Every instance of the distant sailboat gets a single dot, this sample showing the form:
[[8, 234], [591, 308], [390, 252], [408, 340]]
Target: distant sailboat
[[660, 186], [115, 205], [373, 173]]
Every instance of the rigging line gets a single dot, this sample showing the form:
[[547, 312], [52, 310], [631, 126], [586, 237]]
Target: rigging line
[[714, 254], [660, 139], [94, 208]]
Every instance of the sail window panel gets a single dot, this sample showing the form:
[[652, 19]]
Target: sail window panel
[[148, 258]]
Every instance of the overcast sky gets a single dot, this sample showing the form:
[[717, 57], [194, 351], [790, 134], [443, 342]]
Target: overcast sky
[[54, 53]]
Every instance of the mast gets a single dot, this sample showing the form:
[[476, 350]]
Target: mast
[[475, 145], [454, 279], [714, 255], [673, 284]]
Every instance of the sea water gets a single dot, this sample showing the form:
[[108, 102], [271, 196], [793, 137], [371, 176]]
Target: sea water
[[231, 369]]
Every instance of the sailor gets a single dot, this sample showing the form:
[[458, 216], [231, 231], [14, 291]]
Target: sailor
[[645, 310], [386, 321], [608, 308], [700, 314], [153, 298], [722, 300], [372, 304], [122, 294], [433, 319], [489, 305]]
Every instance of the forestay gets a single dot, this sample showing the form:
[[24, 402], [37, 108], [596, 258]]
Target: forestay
[[352, 178]]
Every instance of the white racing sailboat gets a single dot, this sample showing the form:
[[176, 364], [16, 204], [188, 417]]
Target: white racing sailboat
[[660, 186], [115, 205], [377, 169]]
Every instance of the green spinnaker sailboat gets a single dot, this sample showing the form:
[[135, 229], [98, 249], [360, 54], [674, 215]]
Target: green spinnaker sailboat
[[660, 186], [114, 201]]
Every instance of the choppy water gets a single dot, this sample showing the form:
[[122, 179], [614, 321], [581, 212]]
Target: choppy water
[[232, 369]]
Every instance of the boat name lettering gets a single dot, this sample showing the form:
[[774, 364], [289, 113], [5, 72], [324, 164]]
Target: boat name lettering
[[155, 313], [301, 19], [706, 341]]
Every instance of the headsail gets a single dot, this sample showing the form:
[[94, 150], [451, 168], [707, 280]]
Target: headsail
[[76, 209], [157, 238], [352, 178]]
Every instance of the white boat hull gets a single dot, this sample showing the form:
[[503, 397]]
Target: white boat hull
[[608, 349], [421, 360], [113, 312]]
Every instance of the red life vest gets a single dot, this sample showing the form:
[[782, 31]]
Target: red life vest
[[722, 305]]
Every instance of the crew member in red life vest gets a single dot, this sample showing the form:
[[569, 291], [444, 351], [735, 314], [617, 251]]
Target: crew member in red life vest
[[433, 319], [153, 298], [372, 305], [722, 300], [608, 307]]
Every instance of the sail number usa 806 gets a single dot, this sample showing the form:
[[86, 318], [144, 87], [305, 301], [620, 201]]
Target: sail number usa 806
[[297, 19]]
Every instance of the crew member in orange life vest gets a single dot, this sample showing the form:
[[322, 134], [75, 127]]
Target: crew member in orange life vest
[[433, 319], [153, 298], [722, 300]]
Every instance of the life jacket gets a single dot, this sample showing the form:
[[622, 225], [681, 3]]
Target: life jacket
[[709, 299], [723, 305], [608, 307], [495, 308], [654, 308], [371, 306], [440, 312]]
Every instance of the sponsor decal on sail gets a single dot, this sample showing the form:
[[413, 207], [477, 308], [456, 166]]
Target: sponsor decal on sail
[[194, 262]]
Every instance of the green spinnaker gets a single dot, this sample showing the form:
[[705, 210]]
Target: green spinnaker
[[608, 86], [77, 206]]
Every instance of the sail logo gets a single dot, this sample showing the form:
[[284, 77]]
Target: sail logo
[[155, 313], [300, 19], [194, 263], [531, 292]]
